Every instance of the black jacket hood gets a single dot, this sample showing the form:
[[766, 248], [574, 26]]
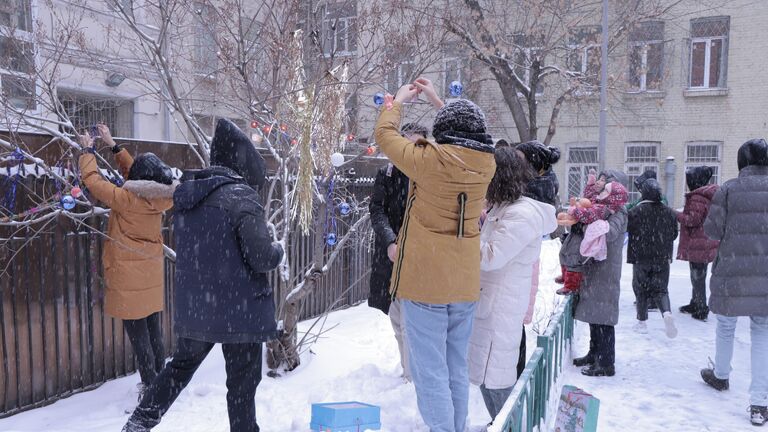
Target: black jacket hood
[[647, 174], [650, 190], [753, 152], [233, 149]]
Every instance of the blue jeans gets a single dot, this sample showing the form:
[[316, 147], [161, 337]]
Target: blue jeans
[[438, 339], [726, 329]]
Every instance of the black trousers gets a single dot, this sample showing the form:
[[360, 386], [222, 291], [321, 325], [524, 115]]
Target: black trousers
[[146, 337], [650, 283], [699, 284], [521, 359], [243, 366], [602, 344]]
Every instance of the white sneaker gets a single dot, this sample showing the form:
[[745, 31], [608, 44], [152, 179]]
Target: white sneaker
[[669, 324], [640, 327]]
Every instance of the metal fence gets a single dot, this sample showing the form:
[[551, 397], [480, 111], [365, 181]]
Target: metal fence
[[55, 338], [533, 390]]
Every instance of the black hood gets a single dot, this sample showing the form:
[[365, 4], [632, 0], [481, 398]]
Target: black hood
[[539, 156], [753, 152], [196, 185], [648, 174], [650, 190], [698, 177], [147, 166], [233, 149]]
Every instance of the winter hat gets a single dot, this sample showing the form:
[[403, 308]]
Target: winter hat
[[461, 122], [538, 155], [650, 190], [147, 166], [647, 174], [615, 175], [753, 152], [233, 149], [698, 177]]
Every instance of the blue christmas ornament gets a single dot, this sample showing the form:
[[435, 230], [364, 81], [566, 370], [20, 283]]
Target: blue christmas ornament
[[67, 202], [378, 99], [344, 209], [331, 239], [456, 89]]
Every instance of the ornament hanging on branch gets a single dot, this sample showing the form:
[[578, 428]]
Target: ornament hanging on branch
[[67, 202], [378, 99], [456, 89]]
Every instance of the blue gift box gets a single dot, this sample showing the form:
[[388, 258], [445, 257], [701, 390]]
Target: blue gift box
[[345, 417]]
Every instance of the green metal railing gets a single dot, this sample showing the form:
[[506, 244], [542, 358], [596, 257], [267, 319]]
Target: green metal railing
[[531, 394]]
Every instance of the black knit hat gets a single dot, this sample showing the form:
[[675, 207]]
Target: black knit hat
[[147, 166], [233, 149], [538, 155], [698, 177], [647, 174], [650, 190], [460, 116], [753, 152]]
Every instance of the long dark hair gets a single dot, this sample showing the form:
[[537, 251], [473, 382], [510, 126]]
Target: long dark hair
[[511, 178]]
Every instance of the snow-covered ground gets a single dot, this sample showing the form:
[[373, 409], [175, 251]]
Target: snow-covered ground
[[657, 386]]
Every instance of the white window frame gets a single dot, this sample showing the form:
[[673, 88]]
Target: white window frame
[[95, 93], [326, 25], [632, 166], [583, 167], [25, 36], [399, 75], [715, 163], [644, 45], [707, 59]]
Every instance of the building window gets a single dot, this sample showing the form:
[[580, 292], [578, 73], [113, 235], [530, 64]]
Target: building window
[[16, 15], [581, 159], [339, 29], [709, 52], [399, 75], [584, 55], [350, 114], [646, 56], [17, 54], [640, 157], [87, 110], [527, 49], [704, 153], [206, 59]]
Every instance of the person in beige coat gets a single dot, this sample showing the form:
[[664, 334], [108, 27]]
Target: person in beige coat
[[133, 250], [436, 273], [510, 244]]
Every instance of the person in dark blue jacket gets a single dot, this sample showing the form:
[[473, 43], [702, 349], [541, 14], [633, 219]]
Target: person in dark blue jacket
[[222, 292]]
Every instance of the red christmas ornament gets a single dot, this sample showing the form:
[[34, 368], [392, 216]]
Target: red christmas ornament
[[283, 127], [76, 192], [267, 129], [351, 137], [294, 141], [370, 150], [254, 124]]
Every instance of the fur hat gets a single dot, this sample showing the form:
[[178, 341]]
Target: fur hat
[[753, 152], [233, 149], [147, 166]]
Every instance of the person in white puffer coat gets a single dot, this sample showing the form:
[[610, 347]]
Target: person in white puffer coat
[[510, 243]]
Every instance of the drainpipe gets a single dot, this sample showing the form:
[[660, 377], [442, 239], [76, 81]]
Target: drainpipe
[[670, 168]]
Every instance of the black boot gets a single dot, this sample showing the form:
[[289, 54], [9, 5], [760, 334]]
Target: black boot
[[708, 375], [599, 371], [687, 309], [759, 415], [587, 360], [701, 314]]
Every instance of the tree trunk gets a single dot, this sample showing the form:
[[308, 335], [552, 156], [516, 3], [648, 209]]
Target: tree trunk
[[509, 91]]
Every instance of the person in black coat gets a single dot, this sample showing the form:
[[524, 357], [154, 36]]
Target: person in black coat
[[222, 292], [652, 228], [544, 187], [387, 208]]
